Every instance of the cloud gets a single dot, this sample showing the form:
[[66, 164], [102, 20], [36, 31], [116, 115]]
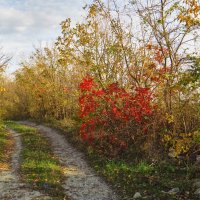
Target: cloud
[[24, 23], [13, 21]]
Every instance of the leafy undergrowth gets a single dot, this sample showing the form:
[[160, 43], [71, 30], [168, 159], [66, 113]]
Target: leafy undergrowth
[[152, 180], [6, 144], [39, 166]]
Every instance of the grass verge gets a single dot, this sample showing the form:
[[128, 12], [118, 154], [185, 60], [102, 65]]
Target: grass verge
[[39, 167], [153, 181], [6, 144]]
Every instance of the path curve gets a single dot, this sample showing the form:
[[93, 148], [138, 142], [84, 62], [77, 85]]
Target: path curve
[[81, 181], [11, 188]]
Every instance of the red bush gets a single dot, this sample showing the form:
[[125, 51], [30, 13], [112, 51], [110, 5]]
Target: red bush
[[111, 115]]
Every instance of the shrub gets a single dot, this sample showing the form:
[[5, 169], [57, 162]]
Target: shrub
[[112, 118]]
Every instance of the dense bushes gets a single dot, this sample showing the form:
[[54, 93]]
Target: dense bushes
[[130, 92], [127, 96], [114, 119]]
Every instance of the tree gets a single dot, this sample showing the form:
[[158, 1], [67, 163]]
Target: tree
[[4, 60], [172, 33]]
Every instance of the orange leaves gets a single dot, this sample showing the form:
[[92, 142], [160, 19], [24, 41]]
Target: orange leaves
[[159, 54], [65, 89], [191, 15]]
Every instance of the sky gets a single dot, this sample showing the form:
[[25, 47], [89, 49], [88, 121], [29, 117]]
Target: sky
[[25, 24]]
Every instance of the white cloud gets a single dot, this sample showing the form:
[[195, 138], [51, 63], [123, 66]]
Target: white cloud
[[24, 23]]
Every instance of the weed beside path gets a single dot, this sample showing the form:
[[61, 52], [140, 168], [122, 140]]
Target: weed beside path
[[6, 145], [81, 182], [152, 180], [39, 167]]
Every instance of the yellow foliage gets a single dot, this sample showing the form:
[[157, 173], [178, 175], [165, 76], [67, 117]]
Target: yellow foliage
[[2, 89], [180, 144], [192, 14], [169, 118], [93, 10]]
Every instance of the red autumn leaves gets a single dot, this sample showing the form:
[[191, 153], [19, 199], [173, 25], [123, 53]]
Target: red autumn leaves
[[108, 113]]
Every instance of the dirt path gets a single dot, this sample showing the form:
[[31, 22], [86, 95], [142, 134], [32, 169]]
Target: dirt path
[[81, 181], [10, 186]]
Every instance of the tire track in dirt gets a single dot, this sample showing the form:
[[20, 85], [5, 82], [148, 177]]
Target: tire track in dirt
[[11, 188], [81, 182]]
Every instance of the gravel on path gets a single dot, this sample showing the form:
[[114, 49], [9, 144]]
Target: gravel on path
[[11, 188], [81, 182]]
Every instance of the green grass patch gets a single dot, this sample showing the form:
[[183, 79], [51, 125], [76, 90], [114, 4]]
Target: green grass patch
[[151, 180], [39, 167]]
